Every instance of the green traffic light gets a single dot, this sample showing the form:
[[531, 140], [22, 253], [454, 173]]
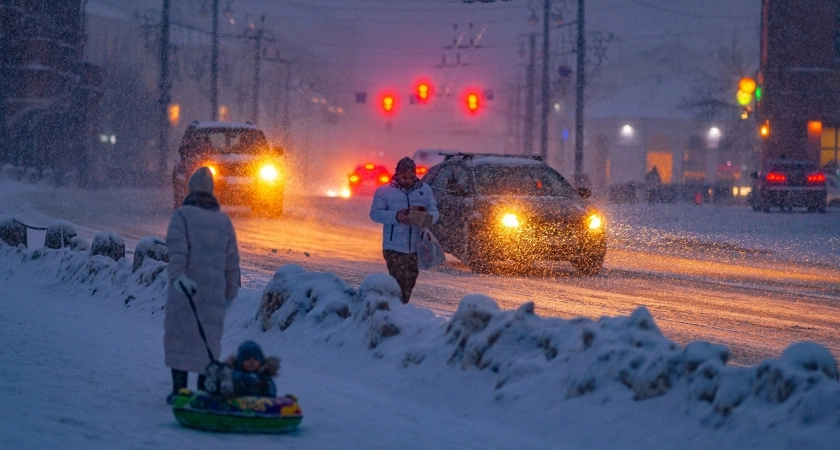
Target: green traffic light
[[758, 93]]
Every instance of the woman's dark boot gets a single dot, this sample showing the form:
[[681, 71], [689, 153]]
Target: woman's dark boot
[[179, 381]]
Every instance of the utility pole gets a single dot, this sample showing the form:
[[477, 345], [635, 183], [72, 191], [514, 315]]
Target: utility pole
[[214, 64], [580, 177], [529, 98], [546, 95], [286, 98], [257, 60], [163, 86]]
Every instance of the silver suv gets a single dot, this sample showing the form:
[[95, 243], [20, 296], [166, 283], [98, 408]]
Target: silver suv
[[510, 207]]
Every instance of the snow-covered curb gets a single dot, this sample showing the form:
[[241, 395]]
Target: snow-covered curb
[[612, 359]]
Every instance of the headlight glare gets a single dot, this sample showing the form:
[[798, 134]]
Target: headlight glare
[[594, 222], [510, 220], [213, 170], [268, 172]]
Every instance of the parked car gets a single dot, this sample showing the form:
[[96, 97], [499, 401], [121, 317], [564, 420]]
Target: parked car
[[246, 169], [832, 187], [514, 208], [786, 184], [366, 178]]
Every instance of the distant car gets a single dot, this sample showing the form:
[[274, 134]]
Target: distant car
[[511, 207], [246, 169], [367, 178], [832, 187], [428, 157], [786, 184]]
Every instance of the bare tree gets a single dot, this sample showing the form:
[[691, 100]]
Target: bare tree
[[713, 89]]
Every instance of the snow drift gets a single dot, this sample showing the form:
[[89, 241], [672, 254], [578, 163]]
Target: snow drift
[[612, 359]]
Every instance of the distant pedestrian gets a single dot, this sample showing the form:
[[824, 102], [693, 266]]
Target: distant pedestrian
[[391, 206], [652, 183], [204, 263]]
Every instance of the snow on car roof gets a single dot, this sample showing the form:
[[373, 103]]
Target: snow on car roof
[[507, 160], [202, 125]]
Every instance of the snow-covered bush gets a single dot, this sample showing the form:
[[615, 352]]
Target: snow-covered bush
[[108, 243], [79, 243], [377, 293], [293, 292], [11, 232], [59, 234], [150, 247]]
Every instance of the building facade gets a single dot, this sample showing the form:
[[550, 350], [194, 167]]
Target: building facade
[[799, 79], [49, 94]]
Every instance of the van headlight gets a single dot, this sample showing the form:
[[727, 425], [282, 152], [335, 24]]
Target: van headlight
[[268, 172]]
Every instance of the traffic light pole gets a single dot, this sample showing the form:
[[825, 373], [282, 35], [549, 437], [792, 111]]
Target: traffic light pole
[[580, 177]]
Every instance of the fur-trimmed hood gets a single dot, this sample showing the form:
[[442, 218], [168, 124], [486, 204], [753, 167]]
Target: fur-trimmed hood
[[271, 366]]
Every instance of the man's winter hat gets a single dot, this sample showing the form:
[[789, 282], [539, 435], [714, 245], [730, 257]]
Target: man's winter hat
[[406, 165], [201, 181], [247, 350]]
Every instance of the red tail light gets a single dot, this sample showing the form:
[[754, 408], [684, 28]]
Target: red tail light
[[775, 177], [421, 170], [384, 179], [354, 179], [816, 178]]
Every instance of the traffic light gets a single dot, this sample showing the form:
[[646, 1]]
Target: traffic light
[[388, 103], [472, 100], [746, 90], [423, 92]]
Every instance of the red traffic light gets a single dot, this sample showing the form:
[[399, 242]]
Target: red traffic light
[[472, 101], [423, 91], [388, 103]]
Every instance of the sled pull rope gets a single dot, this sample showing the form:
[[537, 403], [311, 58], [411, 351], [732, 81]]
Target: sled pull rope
[[200, 328]]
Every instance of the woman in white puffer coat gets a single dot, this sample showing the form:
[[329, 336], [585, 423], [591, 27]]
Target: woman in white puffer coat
[[204, 261]]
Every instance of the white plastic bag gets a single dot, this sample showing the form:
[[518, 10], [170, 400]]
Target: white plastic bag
[[429, 251]]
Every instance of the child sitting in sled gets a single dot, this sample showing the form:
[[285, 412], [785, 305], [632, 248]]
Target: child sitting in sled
[[253, 372]]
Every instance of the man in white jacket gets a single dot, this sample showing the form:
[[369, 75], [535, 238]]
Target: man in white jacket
[[391, 206]]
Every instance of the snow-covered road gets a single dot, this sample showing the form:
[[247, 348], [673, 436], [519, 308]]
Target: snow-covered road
[[754, 282]]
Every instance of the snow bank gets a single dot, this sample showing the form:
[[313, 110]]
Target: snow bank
[[611, 359], [100, 275], [617, 360]]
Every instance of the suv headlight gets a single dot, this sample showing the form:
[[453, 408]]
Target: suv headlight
[[594, 222], [268, 172], [510, 220], [212, 166]]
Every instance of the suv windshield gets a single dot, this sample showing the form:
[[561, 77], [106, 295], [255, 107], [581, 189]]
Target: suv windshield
[[230, 140], [521, 180]]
